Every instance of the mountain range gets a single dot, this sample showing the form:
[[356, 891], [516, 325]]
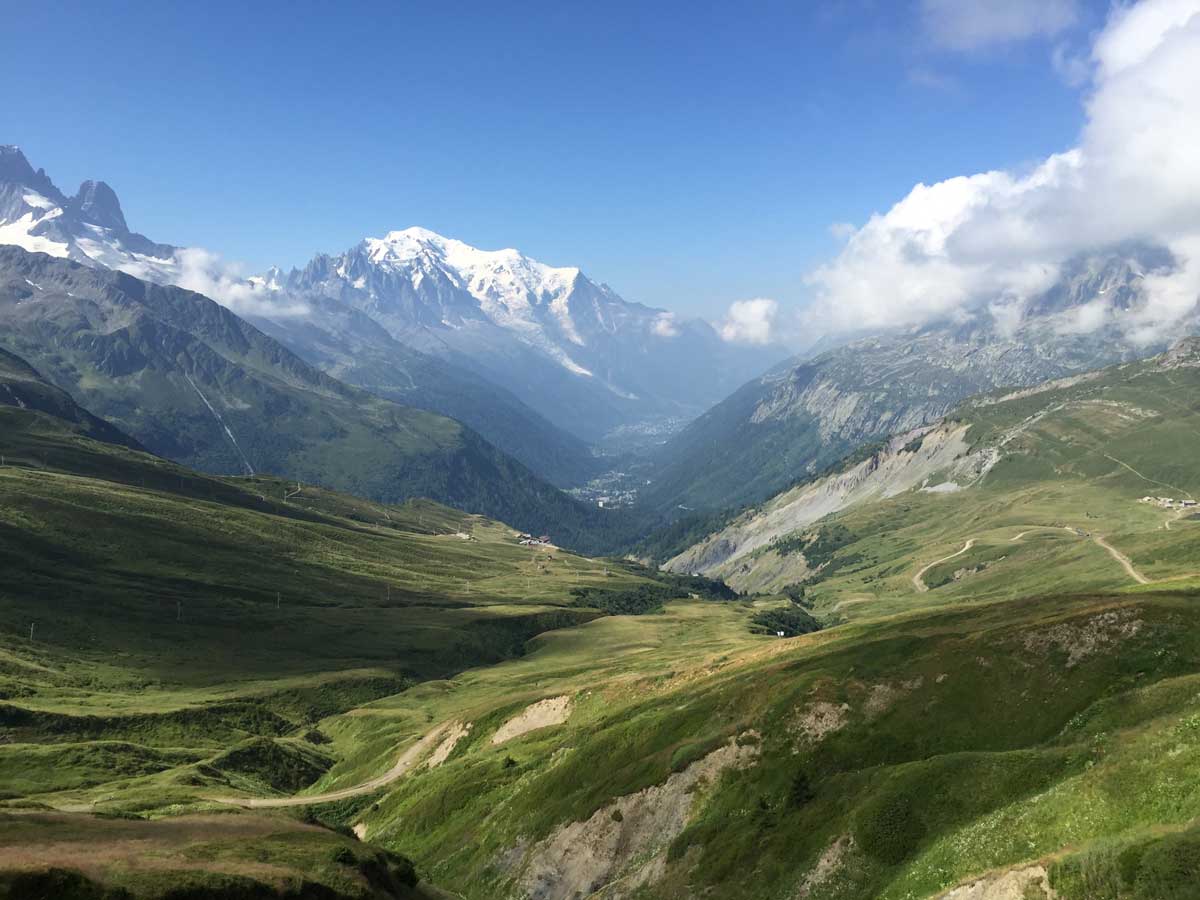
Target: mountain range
[[572, 349], [542, 361], [539, 359], [807, 413]]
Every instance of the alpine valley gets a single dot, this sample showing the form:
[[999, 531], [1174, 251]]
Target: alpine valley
[[419, 571]]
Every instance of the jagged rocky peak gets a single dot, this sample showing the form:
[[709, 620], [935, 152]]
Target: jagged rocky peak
[[97, 204], [16, 170]]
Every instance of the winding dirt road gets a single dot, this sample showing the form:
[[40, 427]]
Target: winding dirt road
[[918, 580], [1124, 560], [407, 761]]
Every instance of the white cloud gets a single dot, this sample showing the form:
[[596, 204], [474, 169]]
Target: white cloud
[[750, 321], [1000, 237], [970, 24], [665, 325], [206, 273]]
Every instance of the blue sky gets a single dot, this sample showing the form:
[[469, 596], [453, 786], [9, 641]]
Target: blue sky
[[688, 154]]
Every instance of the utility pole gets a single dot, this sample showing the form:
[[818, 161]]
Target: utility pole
[[31, 624]]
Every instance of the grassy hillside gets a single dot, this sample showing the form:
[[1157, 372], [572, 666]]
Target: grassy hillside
[[169, 637], [199, 857], [203, 578], [21, 386], [889, 759]]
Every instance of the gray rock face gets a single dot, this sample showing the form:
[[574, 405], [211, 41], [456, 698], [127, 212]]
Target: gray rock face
[[96, 204]]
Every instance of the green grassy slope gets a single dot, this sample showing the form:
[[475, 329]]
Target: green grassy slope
[[21, 386], [908, 754], [191, 635], [201, 577], [58, 857], [172, 610]]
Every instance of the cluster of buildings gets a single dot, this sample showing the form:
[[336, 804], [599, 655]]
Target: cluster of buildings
[[528, 540], [1171, 503], [611, 490]]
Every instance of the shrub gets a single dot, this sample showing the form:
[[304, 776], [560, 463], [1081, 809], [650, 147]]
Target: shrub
[[888, 828], [800, 791]]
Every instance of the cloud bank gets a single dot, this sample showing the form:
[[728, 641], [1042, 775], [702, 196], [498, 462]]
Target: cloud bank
[[750, 321], [997, 238], [207, 273]]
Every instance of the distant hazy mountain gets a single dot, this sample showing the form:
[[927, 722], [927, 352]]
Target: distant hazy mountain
[[807, 414], [194, 383], [353, 347], [88, 228], [569, 347]]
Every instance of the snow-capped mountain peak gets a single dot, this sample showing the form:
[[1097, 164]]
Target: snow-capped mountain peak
[[505, 277], [562, 342], [88, 228]]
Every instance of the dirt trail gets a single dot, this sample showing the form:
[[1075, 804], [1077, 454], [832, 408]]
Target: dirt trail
[[407, 761], [1173, 487], [918, 580], [1124, 560]]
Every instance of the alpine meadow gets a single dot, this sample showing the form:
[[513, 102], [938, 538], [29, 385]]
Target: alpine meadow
[[809, 510]]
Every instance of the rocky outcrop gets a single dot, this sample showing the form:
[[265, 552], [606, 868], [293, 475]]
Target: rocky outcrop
[[626, 839]]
